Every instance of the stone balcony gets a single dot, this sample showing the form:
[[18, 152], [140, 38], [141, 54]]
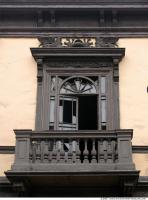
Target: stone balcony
[[73, 158]]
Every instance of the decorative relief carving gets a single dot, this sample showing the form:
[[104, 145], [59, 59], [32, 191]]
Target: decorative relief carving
[[78, 42], [48, 41], [107, 42]]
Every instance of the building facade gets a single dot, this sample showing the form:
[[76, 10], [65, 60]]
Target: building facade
[[74, 98]]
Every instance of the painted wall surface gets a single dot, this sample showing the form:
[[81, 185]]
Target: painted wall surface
[[141, 163], [134, 96], [18, 92], [133, 89], [6, 162], [18, 87]]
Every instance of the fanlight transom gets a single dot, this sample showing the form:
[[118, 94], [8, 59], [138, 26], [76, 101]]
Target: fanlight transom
[[78, 85]]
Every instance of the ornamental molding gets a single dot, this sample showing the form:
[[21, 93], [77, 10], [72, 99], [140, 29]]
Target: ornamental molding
[[78, 42], [93, 63]]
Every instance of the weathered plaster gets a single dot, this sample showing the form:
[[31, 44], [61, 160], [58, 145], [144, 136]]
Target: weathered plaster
[[18, 87], [6, 162], [133, 89], [18, 92], [141, 163]]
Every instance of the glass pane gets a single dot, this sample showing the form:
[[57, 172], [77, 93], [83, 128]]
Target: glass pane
[[67, 114], [74, 108]]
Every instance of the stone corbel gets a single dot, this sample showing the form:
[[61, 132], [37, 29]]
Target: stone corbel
[[40, 69], [18, 187], [128, 185], [116, 70]]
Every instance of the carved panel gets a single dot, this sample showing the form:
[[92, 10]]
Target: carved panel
[[109, 42], [78, 42], [48, 41]]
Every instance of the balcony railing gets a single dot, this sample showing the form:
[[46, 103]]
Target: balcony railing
[[103, 149], [53, 159], [74, 150]]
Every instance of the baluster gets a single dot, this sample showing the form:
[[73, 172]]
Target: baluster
[[74, 151], [31, 152], [105, 145], [45, 155], [70, 152], [101, 152], [116, 155], [34, 144], [98, 144], [58, 150], [116, 152], [54, 152], [50, 150], [78, 152], [42, 150], [38, 151], [93, 152], [109, 152], [85, 153], [113, 150], [66, 156], [62, 152]]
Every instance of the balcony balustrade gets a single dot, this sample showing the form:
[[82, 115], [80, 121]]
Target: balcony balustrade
[[100, 148], [73, 150], [74, 154]]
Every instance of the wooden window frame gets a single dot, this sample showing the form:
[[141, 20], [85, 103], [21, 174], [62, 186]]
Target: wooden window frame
[[79, 62]]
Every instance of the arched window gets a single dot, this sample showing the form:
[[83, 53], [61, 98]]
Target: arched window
[[77, 102], [78, 85]]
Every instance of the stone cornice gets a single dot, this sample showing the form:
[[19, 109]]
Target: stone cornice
[[111, 17], [74, 4], [114, 53]]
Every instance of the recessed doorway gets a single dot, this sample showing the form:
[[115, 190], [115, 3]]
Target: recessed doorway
[[87, 112]]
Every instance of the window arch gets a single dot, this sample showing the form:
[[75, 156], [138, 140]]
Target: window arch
[[78, 85], [78, 102]]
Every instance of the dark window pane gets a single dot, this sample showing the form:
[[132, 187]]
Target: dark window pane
[[67, 113], [61, 102], [74, 108]]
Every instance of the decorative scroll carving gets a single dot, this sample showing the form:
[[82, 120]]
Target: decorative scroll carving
[[78, 42], [48, 42], [107, 42]]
